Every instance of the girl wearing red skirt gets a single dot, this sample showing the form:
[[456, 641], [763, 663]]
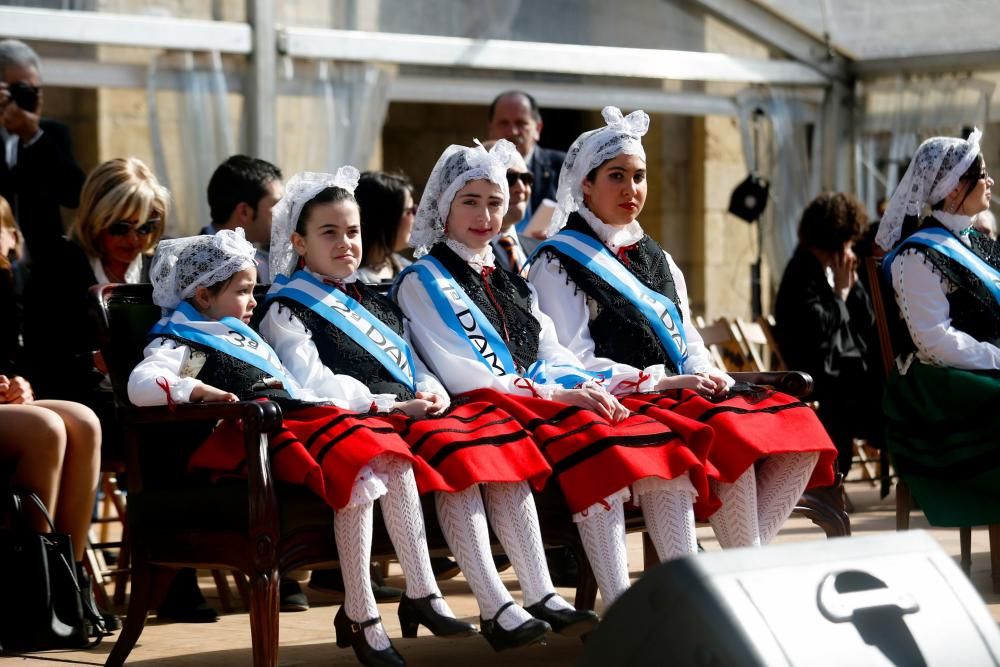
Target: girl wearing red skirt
[[618, 299], [341, 338], [483, 335], [204, 350]]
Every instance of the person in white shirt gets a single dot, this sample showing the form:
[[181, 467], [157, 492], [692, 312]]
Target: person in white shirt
[[507, 247], [204, 350], [483, 334], [940, 398], [338, 335], [617, 298]]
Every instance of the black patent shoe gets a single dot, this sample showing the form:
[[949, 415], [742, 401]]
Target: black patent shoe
[[500, 638], [351, 633], [416, 612], [567, 622]]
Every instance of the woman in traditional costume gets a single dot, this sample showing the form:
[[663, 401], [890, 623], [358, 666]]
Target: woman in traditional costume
[[341, 337], [618, 299], [204, 350], [940, 399], [483, 335]]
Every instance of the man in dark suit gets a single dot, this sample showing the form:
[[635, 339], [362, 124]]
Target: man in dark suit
[[38, 173], [514, 116]]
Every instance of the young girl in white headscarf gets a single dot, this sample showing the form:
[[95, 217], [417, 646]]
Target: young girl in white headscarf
[[940, 400], [341, 337], [204, 350], [618, 299], [485, 337]]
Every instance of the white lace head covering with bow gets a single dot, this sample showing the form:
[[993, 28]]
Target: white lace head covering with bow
[[181, 266], [457, 166], [299, 191], [621, 135], [933, 173]]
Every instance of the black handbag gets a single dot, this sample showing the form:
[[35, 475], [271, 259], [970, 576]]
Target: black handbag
[[41, 607]]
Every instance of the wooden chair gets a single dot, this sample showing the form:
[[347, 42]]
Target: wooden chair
[[904, 499], [255, 526]]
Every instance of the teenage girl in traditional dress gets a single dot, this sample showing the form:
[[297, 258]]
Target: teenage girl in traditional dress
[[204, 350], [340, 337], [617, 298], [483, 333], [940, 399]]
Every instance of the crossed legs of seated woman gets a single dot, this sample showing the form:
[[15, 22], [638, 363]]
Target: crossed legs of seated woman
[[55, 450]]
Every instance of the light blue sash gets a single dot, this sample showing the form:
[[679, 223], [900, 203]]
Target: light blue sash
[[462, 316], [946, 243], [660, 312], [229, 336], [569, 377], [349, 316]]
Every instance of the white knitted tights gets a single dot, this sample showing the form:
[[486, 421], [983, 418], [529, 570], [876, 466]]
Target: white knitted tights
[[352, 527], [603, 534], [668, 511], [757, 504], [404, 520], [511, 509], [780, 482], [463, 522]]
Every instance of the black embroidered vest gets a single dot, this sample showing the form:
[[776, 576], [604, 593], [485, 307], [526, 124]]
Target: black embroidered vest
[[342, 355], [972, 308], [619, 330], [228, 373], [514, 297]]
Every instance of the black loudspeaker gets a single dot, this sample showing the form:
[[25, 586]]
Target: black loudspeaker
[[749, 198], [894, 599]]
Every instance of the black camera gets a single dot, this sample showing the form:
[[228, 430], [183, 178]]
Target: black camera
[[24, 95]]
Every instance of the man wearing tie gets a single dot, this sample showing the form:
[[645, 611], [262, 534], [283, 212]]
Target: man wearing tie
[[514, 116], [507, 246]]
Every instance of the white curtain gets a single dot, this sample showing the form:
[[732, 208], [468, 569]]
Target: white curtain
[[775, 129], [330, 114], [898, 115], [189, 103]]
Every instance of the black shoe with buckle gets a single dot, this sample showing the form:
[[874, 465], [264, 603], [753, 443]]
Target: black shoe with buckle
[[351, 633], [500, 638], [416, 612], [566, 622]]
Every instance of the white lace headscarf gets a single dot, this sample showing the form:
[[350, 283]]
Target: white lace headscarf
[[621, 135], [299, 191], [181, 266], [933, 173], [457, 166]]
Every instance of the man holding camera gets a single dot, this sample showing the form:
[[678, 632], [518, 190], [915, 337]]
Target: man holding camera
[[38, 173]]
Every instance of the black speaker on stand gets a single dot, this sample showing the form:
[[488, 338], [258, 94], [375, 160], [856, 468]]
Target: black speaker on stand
[[748, 201], [893, 599]]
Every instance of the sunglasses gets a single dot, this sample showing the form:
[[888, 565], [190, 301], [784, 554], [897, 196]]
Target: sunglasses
[[526, 179], [123, 227]]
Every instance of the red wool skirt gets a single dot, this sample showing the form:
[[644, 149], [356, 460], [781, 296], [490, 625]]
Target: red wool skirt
[[324, 448], [593, 459], [747, 428], [474, 442]]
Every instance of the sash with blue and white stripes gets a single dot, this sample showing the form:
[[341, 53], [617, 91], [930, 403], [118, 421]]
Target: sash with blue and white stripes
[[659, 311], [346, 314], [468, 321], [228, 336], [946, 243]]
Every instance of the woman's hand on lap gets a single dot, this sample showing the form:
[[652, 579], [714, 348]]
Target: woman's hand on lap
[[601, 402], [15, 390], [437, 403]]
